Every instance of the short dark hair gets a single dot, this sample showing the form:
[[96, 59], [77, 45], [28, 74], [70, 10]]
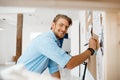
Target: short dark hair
[[62, 16]]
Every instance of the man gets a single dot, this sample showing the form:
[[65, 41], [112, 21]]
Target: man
[[44, 51]]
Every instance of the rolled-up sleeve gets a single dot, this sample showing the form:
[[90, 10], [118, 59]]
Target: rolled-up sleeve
[[53, 67]]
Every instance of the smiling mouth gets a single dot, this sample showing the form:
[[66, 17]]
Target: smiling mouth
[[62, 33]]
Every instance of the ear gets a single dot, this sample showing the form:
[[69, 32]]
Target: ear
[[53, 26]]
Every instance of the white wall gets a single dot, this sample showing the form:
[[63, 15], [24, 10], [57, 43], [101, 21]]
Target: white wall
[[75, 44], [7, 39]]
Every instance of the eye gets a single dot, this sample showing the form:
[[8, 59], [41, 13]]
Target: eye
[[66, 27], [62, 25]]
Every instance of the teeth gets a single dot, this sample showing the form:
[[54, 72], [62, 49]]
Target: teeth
[[61, 32]]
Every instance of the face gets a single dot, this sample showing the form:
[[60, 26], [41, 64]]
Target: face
[[60, 27]]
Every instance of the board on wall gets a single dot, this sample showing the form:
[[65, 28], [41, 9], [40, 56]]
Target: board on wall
[[94, 25]]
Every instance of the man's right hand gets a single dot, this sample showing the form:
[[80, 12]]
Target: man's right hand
[[94, 42]]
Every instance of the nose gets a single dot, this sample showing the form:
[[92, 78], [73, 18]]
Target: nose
[[64, 28]]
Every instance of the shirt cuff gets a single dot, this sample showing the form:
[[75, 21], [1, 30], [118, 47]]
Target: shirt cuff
[[53, 69], [64, 60]]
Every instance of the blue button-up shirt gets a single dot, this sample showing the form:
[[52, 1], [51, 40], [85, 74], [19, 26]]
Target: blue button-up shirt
[[43, 52]]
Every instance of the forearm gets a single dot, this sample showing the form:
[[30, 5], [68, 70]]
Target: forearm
[[78, 59]]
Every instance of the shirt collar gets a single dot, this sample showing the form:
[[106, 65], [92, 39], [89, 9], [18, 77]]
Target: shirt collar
[[55, 38]]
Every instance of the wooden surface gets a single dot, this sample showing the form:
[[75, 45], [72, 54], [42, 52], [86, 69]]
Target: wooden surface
[[19, 37], [112, 46]]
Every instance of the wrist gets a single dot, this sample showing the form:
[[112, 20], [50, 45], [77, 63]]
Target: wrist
[[91, 50]]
